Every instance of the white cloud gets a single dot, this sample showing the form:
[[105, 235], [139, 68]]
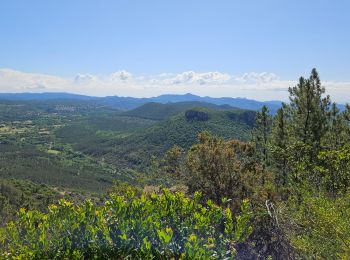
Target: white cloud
[[12, 81], [261, 86], [121, 75], [191, 77], [84, 78], [259, 78]]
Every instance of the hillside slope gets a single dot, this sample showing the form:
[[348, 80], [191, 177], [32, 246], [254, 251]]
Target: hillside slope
[[182, 130], [160, 111]]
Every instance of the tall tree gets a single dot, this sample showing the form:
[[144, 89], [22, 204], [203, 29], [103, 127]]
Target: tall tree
[[309, 110], [279, 145], [346, 116], [309, 121], [261, 135], [336, 135]]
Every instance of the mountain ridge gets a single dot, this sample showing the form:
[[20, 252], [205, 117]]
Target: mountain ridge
[[128, 103]]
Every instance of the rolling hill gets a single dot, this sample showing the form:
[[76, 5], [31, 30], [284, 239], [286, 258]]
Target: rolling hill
[[137, 148], [160, 111], [131, 138]]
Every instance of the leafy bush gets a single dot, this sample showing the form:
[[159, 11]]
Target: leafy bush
[[162, 226], [320, 226], [223, 169], [334, 169]]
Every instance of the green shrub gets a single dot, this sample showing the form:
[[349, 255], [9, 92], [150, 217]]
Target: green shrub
[[319, 226], [162, 226]]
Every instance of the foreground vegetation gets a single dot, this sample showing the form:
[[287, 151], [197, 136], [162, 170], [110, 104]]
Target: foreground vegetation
[[162, 226]]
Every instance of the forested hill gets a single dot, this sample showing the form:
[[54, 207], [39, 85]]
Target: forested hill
[[160, 111], [127, 144], [182, 130]]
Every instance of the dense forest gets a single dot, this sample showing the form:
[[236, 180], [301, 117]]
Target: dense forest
[[186, 180]]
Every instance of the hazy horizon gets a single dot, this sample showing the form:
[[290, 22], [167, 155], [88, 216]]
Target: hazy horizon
[[257, 86]]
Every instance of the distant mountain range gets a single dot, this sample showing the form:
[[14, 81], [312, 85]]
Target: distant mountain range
[[128, 103]]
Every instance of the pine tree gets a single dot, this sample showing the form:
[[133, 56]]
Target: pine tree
[[261, 135], [346, 116], [279, 145], [309, 110], [336, 136], [309, 122]]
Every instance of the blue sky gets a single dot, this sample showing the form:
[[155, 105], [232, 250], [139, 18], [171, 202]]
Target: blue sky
[[147, 38]]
